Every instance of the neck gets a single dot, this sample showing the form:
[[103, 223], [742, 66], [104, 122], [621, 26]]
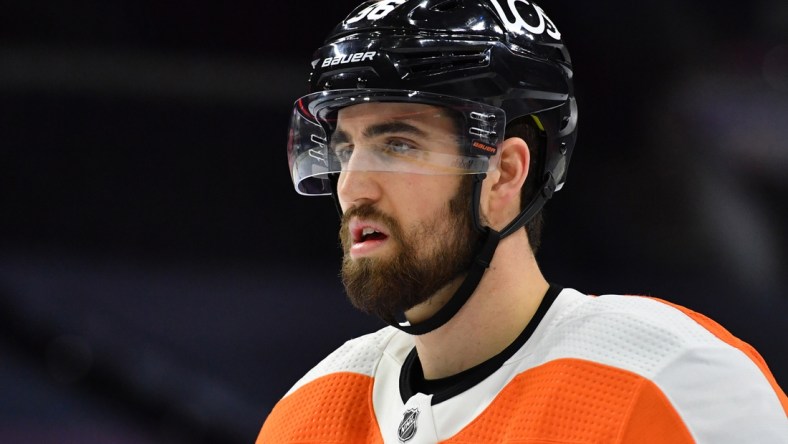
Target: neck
[[502, 305]]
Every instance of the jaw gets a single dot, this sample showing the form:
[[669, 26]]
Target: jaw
[[428, 308]]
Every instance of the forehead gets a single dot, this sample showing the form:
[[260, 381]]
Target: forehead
[[433, 119]]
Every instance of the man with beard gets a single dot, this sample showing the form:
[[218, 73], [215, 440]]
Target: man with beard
[[441, 127], [396, 269]]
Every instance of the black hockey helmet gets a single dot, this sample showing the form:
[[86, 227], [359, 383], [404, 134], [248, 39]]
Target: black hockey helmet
[[504, 53]]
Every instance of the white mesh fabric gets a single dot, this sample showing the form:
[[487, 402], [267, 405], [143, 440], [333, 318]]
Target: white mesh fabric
[[638, 334], [360, 355]]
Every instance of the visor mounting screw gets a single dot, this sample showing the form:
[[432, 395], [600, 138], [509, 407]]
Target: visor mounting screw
[[326, 86], [562, 148], [361, 82]]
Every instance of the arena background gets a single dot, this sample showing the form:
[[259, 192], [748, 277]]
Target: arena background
[[161, 282]]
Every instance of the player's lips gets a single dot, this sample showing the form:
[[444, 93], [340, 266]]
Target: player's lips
[[366, 237]]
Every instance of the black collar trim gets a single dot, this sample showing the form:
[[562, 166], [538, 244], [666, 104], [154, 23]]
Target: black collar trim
[[411, 378]]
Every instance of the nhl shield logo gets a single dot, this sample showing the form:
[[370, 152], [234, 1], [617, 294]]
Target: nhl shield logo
[[407, 428]]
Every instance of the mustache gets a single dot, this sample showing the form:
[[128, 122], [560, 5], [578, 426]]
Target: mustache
[[364, 212]]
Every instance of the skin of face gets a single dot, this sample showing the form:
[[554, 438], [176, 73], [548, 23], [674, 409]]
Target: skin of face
[[408, 198]]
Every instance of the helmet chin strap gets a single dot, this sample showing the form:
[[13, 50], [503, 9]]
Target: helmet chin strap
[[480, 262]]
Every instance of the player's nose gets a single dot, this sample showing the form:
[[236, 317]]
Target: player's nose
[[358, 187]]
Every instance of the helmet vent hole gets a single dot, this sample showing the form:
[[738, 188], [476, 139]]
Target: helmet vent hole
[[445, 6], [443, 61]]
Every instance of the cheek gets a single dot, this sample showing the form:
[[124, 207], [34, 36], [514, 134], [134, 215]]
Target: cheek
[[426, 196]]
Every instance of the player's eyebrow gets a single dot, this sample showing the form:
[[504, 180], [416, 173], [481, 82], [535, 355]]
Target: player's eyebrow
[[338, 137], [394, 126]]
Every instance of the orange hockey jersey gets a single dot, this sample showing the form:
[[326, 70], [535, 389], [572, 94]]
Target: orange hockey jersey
[[608, 369]]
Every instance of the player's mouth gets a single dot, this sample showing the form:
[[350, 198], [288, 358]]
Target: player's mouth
[[366, 237]]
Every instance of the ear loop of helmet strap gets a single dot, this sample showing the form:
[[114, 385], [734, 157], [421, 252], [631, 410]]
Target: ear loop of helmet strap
[[528, 213]]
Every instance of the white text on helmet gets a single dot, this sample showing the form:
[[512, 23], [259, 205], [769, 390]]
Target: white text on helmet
[[519, 24], [349, 58], [375, 11]]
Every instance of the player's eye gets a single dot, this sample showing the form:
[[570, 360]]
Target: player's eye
[[398, 146], [343, 152]]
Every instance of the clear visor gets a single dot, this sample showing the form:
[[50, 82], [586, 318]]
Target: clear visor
[[390, 131]]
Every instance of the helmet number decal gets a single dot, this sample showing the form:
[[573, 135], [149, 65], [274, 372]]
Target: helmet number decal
[[544, 25], [375, 11]]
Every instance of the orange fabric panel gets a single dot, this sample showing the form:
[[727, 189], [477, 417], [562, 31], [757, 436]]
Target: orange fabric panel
[[725, 336], [577, 401], [653, 420], [336, 408]]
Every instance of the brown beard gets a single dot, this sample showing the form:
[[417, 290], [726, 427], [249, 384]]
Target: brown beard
[[425, 260]]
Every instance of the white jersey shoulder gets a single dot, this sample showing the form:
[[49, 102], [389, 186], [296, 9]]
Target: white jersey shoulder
[[638, 334], [360, 355], [718, 390]]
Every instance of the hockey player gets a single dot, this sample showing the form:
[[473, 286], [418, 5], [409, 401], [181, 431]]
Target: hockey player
[[440, 128]]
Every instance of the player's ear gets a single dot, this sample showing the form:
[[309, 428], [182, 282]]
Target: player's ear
[[503, 202]]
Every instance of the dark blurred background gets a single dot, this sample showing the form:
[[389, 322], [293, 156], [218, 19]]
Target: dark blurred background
[[161, 282]]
